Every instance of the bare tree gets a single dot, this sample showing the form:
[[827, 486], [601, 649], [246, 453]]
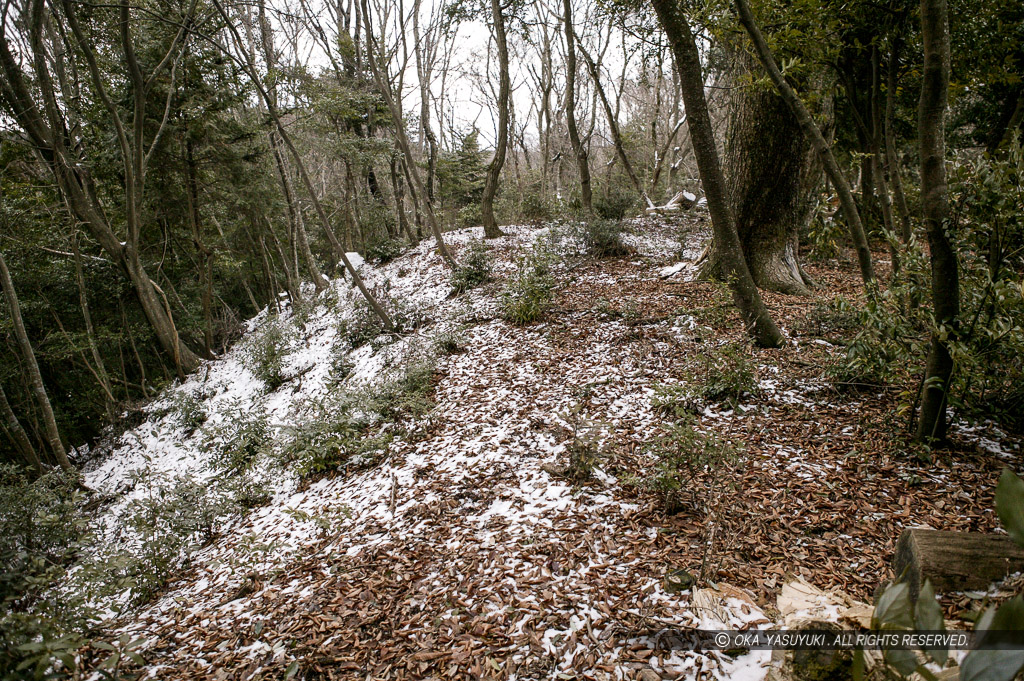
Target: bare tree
[[491, 229], [51, 132], [35, 379]]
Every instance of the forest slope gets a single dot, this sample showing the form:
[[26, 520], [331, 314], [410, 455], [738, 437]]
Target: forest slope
[[517, 526]]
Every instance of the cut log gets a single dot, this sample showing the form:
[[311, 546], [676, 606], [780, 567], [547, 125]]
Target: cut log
[[955, 561], [682, 200]]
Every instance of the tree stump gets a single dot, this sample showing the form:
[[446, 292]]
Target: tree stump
[[955, 561]]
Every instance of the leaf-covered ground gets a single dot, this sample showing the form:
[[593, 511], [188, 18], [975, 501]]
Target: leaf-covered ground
[[461, 552]]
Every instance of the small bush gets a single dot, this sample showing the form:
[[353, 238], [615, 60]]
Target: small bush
[[885, 345], [722, 375], [528, 295], [682, 455], [449, 342], [603, 238], [383, 251], [834, 316], [616, 201], [475, 268], [363, 325], [239, 440], [189, 411], [264, 351], [407, 394]]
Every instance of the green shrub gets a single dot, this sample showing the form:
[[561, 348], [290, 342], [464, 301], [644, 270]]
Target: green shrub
[[236, 442], [475, 268], [616, 200], [603, 238], [720, 375], [449, 342], [528, 294], [189, 410], [681, 456], [888, 341], [363, 325], [384, 250], [265, 349], [407, 394]]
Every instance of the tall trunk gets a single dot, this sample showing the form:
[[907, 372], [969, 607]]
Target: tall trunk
[[812, 130], [580, 151], [877, 158], [773, 175], [18, 435], [90, 332], [205, 256], [931, 427], [891, 159], [491, 230], [393, 103], [35, 379], [755, 315], [613, 123]]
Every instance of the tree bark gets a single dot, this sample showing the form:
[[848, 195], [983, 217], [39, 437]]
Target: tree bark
[[773, 174], [18, 435], [931, 426], [745, 294], [491, 230], [811, 129], [578, 149], [35, 379]]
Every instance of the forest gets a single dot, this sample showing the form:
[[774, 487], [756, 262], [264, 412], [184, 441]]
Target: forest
[[513, 339]]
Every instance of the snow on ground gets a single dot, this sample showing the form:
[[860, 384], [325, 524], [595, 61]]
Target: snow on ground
[[500, 567]]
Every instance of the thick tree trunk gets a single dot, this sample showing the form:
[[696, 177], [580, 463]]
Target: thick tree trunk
[[35, 379], [491, 230], [931, 427], [755, 315], [813, 132], [18, 435], [773, 174], [578, 150]]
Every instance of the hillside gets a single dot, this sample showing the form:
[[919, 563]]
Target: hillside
[[517, 525]]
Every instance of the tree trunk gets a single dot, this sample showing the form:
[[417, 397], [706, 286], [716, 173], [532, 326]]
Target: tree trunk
[[18, 435], [83, 300], [813, 132], [205, 256], [580, 151], [931, 427], [773, 174], [491, 230], [35, 379], [755, 315]]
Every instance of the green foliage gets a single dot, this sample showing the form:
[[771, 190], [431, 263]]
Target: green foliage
[[326, 439], [363, 325], [721, 375], [406, 394], [616, 200], [460, 177], [238, 440], [682, 456], [264, 351], [474, 269], [42, 533], [835, 317], [528, 294], [384, 250], [602, 238], [887, 342], [189, 410], [449, 342]]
